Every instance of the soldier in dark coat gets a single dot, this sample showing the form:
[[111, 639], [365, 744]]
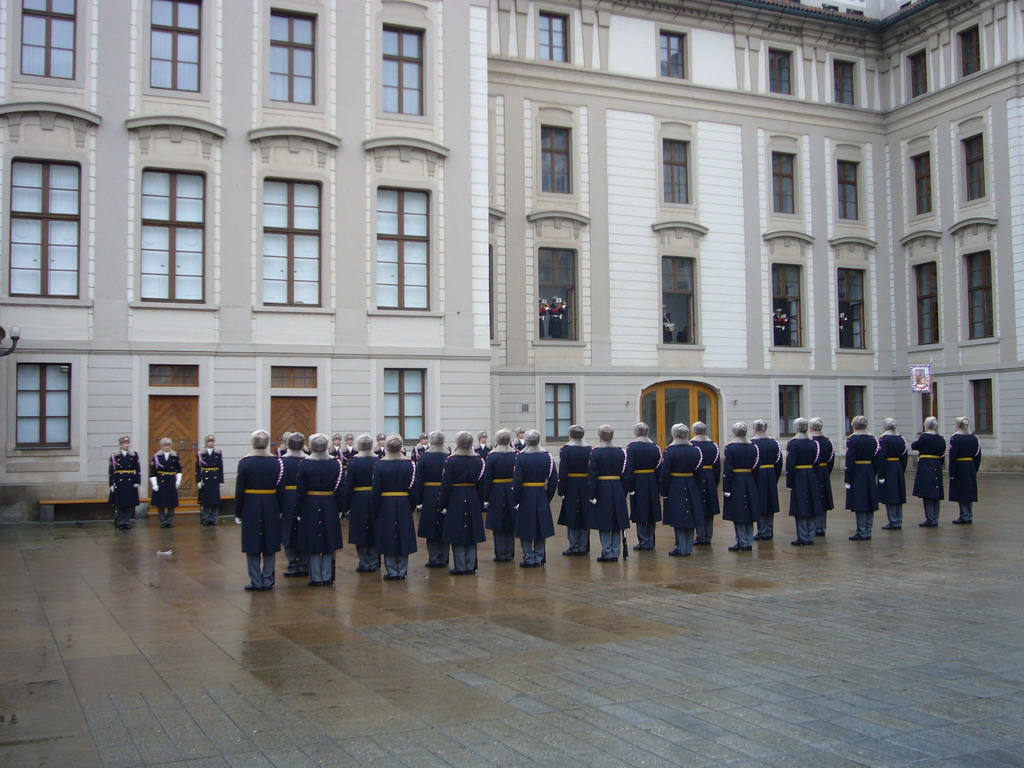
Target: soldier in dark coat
[[964, 462], [892, 486], [482, 447], [608, 513], [826, 463], [429, 469], [499, 464], [802, 454], [573, 468], [931, 448], [394, 488], [710, 474], [209, 478], [349, 449], [124, 474], [520, 442], [258, 489], [380, 450], [741, 505], [863, 465], [767, 479], [683, 491], [643, 458], [319, 494], [421, 447], [165, 479], [358, 486], [298, 564], [334, 451], [533, 486], [461, 502]]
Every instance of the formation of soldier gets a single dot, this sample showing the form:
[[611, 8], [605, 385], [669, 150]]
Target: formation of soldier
[[296, 498]]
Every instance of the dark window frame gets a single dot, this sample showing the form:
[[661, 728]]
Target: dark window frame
[[783, 183], [401, 238], [789, 407], [176, 31], [41, 399], [918, 66], [855, 397], [847, 198], [922, 170], [291, 46], [786, 302], [675, 165], [49, 16], [974, 167], [290, 231], [557, 259], [173, 225], [293, 377], [403, 430], [558, 389], [780, 71], [672, 44], [401, 61], [547, 47], [981, 396], [162, 375], [926, 282], [927, 398], [844, 79], [45, 216], [970, 51], [852, 333], [671, 279], [978, 279], [551, 177]]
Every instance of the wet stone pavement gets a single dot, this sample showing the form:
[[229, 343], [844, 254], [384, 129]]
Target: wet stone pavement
[[904, 651]]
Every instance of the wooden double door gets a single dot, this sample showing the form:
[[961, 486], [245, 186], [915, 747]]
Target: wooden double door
[[176, 417], [291, 414]]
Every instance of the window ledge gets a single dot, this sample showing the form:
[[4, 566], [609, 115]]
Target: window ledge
[[936, 347], [46, 301], [844, 351], [173, 305], [798, 350], [671, 347], [296, 309], [980, 342], [403, 313], [558, 343]]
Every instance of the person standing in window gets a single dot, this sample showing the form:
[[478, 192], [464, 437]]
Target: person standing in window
[[892, 484], [165, 479], [125, 474], [964, 462], [931, 448], [209, 478], [556, 319]]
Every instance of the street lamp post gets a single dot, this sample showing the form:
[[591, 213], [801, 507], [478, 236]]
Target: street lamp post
[[15, 337]]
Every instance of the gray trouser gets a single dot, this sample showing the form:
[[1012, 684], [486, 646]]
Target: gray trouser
[[966, 510], [208, 515], [320, 566], [464, 556], [864, 522], [533, 551], [166, 515], [895, 514], [805, 528], [744, 534], [684, 540], [369, 559], [766, 525], [123, 517], [298, 562], [611, 543], [820, 522], [579, 539], [437, 553], [397, 565], [645, 535], [706, 529], [504, 544], [261, 569], [931, 510]]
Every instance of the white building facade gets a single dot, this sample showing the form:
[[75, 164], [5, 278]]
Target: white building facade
[[348, 216]]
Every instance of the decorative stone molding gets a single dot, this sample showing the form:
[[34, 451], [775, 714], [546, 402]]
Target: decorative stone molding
[[48, 112], [787, 238], [175, 129], [294, 138], [923, 242], [493, 217], [406, 148], [674, 229], [558, 220], [976, 228]]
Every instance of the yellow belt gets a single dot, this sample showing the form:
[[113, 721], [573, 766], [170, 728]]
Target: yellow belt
[[291, 487], [742, 470], [708, 466], [534, 485], [464, 485], [892, 458], [123, 471], [642, 471], [804, 466], [502, 480], [681, 474], [863, 462], [928, 456], [609, 477], [165, 472], [577, 474], [823, 464], [432, 485], [319, 493], [363, 488], [261, 492], [966, 458], [210, 469], [395, 493]]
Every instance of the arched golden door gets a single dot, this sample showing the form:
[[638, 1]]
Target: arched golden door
[[678, 402]]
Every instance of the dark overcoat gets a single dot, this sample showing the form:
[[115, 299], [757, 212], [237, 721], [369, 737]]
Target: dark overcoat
[[681, 486], [394, 490], [258, 503], [358, 486], [165, 470], [605, 484], [534, 481], [802, 478], [739, 480], [462, 498], [124, 473], [289, 500], [964, 461], [893, 461], [863, 463], [497, 490], [931, 456], [769, 474], [573, 469], [209, 472], [710, 474], [642, 462], [319, 496], [826, 463], [429, 468]]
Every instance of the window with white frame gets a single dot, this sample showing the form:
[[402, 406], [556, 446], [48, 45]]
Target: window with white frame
[[172, 236], [291, 242], [43, 405]]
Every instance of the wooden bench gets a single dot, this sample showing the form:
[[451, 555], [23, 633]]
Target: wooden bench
[[64, 510]]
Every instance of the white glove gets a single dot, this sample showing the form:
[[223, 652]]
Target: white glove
[[881, 481], [727, 494], [846, 486], [444, 511], [593, 501], [152, 483], [111, 489], [200, 485], [632, 493], [419, 507], [136, 485]]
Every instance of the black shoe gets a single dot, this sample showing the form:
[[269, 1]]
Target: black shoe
[[961, 521], [607, 559], [436, 565], [315, 583], [292, 574], [389, 577], [799, 543], [819, 533], [927, 524], [253, 588], [674, 553], [735, 548], [456, 572], [859, 537], [891, 527]]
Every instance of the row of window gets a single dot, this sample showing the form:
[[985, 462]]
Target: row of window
[[48, 50], [969, 49]]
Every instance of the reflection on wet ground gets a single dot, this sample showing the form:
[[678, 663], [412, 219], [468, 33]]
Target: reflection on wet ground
[[905, 650]]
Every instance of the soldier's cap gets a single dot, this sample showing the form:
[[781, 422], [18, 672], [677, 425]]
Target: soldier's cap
[[382, 436], [123, 439], [209, 439]]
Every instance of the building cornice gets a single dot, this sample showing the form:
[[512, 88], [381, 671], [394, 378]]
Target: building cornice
[[983, 221], [81, 119], [920, 234], [867, 242], [775, 234], [175, 121]]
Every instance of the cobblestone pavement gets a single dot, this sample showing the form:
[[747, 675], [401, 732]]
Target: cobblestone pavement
[[906, 650]]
